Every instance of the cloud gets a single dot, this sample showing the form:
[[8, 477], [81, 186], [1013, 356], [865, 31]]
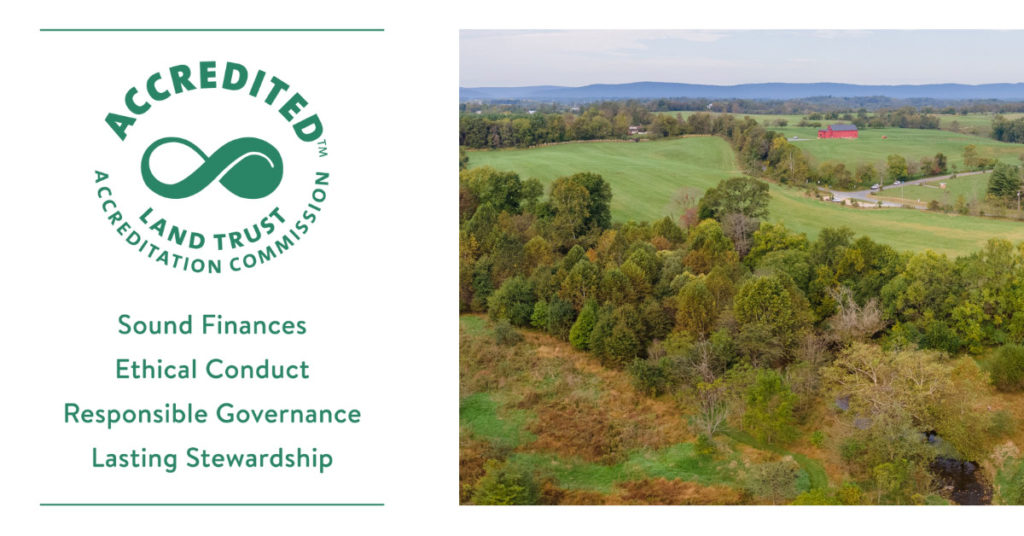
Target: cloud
[[580, 57]]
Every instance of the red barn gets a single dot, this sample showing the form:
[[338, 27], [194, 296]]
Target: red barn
[[838, 131]]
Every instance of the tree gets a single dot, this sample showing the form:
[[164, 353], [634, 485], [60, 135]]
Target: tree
[[922, 289], [579, 335], [580, 284], [599, 210], [893, 397], [463, 159], [712, 407], [742, 195], [866, 174], [531, 192], [502, 189], [622, 346], [853, 321], [696, 308], [708, 247], [772, 301], [787, 163], [514, 301], [581, 204], [615, 288], [971, 158], [835, 173], [639, 280], [771, 237], [1004, 182], [740, 229], [570, 202], [667, 229], [895, 480], [561, 316], [482, 283], [769, 408], [536, 252], [896, 168]]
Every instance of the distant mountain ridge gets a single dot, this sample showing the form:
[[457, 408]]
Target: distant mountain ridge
[[767, 91]]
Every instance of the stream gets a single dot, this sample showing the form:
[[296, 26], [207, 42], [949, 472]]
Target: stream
[[959, 481]]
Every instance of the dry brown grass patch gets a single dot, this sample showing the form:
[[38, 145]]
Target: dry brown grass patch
[[673, 492]]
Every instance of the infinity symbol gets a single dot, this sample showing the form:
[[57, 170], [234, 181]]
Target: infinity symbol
[[248, 167]]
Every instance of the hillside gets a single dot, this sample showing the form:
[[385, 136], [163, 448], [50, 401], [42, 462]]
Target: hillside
[[649, 179], [589, 435]]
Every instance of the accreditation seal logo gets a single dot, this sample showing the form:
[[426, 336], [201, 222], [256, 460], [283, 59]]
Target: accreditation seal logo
[[213, 167]]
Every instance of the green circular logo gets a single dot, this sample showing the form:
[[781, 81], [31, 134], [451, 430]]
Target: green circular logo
[[213, 168]]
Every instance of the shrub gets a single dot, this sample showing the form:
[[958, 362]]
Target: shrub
[[819, 496], [818, 438], [504, 484], [775, 481], [649, 376], [850, 494], [769, 408], [1007, 369], [852, 449], [705, 446], [539, 319], [506, 335]]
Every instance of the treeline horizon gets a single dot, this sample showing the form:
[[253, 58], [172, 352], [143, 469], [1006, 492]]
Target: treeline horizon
[[612, 120], [800, 106]]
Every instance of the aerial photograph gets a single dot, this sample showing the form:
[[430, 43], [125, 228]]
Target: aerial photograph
[[741, 267]]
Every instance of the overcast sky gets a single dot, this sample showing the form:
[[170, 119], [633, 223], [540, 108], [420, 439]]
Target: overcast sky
[[581, 57]]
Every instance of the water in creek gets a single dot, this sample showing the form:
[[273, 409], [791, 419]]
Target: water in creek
[[960, 481]]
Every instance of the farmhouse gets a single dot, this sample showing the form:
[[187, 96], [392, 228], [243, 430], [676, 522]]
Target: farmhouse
[[838, 131]]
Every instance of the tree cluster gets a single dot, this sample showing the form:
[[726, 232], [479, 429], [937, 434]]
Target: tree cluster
[[750, 322], [1008, 130]]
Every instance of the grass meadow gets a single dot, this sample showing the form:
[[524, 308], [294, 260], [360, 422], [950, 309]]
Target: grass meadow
[[914, 144], [977, 124], [875, 144], [648, 180]]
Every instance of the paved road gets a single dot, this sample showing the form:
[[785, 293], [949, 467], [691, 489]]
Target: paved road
[[866, 197]]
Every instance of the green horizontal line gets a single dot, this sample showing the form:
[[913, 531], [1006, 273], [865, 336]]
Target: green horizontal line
[[211, 29], [211, 504]]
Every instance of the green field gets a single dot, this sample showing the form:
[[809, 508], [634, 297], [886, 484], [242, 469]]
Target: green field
[[977, 124], [645, 177], [972, 187], [912, 144]]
